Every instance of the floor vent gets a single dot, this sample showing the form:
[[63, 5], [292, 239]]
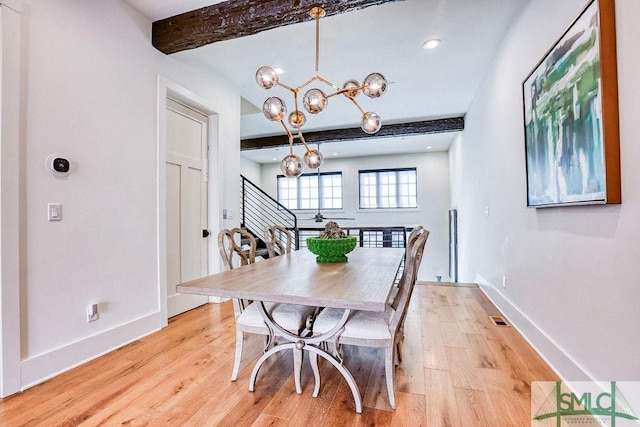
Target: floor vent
[[498, 321]]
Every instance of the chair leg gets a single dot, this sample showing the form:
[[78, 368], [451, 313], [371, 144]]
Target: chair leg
[[337, 352], [297, 367], [313, 361], [389, 367], [269, 341], [400, 341], [238, 357]]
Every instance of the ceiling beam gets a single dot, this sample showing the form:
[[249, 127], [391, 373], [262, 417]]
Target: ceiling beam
[[238, 18], [452, 124]]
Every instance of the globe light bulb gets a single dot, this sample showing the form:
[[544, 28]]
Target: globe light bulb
[[314, 101], [352, 88], [291, 166], [371, 122], [313, 158], [274, 109], [374, 85], [266, 77], [297, 119]]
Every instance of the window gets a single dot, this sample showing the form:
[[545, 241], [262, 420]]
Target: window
[[383, 238], [306, 191], [388, 189]]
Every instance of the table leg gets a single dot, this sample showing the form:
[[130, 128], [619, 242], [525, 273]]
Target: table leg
[[298, 344], [263, 358], [344, 371], [318, 351]]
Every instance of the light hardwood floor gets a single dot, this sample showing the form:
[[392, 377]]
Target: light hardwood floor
[[458, 369]]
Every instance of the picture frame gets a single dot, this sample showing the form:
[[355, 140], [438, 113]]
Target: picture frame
[[570, 102]]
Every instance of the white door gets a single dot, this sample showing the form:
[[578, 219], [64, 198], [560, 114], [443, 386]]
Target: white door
[[186, 175]]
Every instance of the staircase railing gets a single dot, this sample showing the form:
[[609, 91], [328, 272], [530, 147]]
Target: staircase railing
[[260, 211]]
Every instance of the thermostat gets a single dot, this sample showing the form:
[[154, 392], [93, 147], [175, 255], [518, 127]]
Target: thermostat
[[58, 165]]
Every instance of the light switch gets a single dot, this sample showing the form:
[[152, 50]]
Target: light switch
[[54, 211]]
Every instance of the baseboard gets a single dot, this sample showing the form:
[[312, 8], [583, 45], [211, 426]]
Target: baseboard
[[564, 365], [42, 367], [447, 284]]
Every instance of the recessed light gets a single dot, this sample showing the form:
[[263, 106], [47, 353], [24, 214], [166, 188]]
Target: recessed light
[[335, 154], [429, 147], [278, 70], [431, 44]]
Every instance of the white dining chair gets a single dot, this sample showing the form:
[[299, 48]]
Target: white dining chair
[[377, 329], [248, 319]]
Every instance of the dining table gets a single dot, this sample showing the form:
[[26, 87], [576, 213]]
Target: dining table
[[364, 282]]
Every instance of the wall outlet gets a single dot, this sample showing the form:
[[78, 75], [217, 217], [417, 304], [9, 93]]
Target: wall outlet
[[504, 282], [92, 313]]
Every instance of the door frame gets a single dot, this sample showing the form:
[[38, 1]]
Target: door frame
[[11, 201], [167, 88]]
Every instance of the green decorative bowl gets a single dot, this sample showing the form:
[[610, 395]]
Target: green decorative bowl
[[331, 250]]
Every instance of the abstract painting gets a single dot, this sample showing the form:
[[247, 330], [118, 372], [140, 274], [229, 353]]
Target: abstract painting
[[571, 116]]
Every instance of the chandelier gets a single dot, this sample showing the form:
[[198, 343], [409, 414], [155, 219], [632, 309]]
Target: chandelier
[[314, 101]]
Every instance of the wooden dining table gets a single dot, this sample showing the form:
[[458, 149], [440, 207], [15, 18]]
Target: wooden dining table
[[364, 282]]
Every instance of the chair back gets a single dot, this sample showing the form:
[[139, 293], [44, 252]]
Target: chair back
[[279, 240], [413, 236], [409, 277], [406, 290], [231, 242], [411, 242]]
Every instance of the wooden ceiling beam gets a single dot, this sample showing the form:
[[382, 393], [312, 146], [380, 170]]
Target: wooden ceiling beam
[[238, 18], [452, 124]]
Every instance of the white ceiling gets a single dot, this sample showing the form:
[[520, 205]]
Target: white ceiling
[[424, 84]]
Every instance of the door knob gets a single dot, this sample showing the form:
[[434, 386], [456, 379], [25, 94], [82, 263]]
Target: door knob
[[205, 233]]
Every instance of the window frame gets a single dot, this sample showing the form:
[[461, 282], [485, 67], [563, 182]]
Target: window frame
[[321, 198], [398, 193]]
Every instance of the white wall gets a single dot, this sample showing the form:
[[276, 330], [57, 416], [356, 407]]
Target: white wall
[[251, 170], [433, 202], [91, 93], [572, 274]]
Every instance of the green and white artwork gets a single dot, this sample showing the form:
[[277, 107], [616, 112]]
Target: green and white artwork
[[563, 120]]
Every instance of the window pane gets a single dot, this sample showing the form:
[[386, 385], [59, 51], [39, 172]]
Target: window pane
[[368, 193], [287, 193], [331, 191], [308, 196]]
